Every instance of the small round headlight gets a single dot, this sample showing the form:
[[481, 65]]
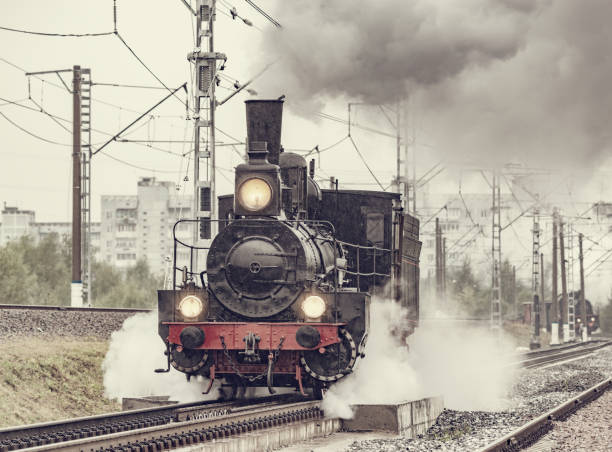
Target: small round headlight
[[313, 306], [191, 306], [254, 194]]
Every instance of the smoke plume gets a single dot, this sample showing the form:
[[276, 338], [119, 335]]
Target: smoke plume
[[499, 80]]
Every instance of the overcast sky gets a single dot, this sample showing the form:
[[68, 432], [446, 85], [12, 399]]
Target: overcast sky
[[484, 82]]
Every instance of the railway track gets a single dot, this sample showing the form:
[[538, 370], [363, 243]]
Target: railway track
[[213, 419], [70, 308], [549, 356], [529, 433]]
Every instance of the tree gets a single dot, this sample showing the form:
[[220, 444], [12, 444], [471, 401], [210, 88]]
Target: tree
[[40, 272], [135, 287], [467, 290], [49, 261], [17, 283]]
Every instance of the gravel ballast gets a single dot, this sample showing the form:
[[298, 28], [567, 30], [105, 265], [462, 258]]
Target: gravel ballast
[[535, 392], [15, 323], [590, 429]]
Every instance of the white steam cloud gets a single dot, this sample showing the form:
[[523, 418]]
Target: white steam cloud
[[464, 365], [134, 352]]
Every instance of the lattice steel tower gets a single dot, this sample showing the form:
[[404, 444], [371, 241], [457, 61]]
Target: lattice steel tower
[[204, 60], [535, 279], [571, 318], [86, 184], [496, 320]]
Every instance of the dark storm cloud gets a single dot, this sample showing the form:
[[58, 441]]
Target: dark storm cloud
[[498, 79]]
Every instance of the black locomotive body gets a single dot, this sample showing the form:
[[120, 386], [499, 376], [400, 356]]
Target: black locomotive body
[[284, 297], [592, 319]]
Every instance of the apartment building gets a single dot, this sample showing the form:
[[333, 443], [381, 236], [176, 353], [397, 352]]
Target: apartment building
[[18, 223], [140, 226]]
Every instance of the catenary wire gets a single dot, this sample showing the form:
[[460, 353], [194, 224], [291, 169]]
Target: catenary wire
[[60, 35], [366, 163], [271, 19]]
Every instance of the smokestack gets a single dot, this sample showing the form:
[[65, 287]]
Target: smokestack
[[264, 122]]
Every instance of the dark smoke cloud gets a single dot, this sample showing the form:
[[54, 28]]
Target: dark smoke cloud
[[376, 50], [502, 80]]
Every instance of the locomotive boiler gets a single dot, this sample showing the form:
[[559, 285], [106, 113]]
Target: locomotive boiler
[[284, 296]]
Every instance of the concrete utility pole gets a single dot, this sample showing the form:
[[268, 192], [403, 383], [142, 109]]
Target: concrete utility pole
[[76, 292], [409, 181], [438, 260], [542, 299], [585, 332], [80, 288], [398, 159], [204, 59], [444, 268], [535, 281], [496, 321], [564, 299], [514, 307], [554, 306]]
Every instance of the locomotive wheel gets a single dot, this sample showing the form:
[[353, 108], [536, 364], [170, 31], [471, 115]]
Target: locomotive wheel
[[336, 361], [188, 360]]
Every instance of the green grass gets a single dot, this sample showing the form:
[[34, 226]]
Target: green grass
[[44, 380]]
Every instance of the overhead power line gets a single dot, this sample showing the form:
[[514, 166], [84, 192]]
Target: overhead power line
[[32, 134], [94, 99], [137, 166], [59, 118], [114, 138], [147, 68], [358, 126], [366, 164], [59, 35], [46, 140], [120, 85], [271, 19]]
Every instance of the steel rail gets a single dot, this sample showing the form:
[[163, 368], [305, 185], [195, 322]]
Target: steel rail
[[552, 356], [180, 434], [21, 437], [71, 308], [529, 433]]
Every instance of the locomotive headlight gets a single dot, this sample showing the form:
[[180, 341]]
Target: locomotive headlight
[[313, 306], [592, 319], [191, 306], [254, 194]]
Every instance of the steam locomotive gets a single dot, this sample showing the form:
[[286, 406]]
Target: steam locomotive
[[284, 297], [592, 319]]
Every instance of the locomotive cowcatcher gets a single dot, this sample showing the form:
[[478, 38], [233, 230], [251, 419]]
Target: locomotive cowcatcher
[[284, 297]]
